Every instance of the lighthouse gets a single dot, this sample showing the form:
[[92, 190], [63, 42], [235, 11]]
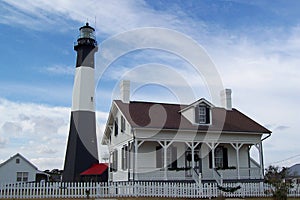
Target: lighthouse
[[82, 150]]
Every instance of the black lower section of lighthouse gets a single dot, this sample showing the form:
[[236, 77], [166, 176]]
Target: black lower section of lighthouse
[[82, 145]]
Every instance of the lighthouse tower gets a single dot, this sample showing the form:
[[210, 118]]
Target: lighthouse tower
[[82, 142]]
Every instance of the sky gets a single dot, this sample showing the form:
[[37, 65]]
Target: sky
[[254, 45]]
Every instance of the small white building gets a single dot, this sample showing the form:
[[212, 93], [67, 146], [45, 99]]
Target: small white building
[[19, 169], [152, 141]]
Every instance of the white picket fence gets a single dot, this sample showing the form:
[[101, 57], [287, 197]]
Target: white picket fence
[[133, 189]]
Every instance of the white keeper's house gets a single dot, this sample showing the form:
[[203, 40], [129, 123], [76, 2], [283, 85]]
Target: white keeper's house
[[152, 141], [18, 169]]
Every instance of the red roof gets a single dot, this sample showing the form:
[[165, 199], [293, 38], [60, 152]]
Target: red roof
[[137, 114], [96, 169]]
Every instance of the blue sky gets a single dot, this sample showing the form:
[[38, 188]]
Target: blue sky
[[255, 47]]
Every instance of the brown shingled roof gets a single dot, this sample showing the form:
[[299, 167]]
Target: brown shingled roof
[[168, 116]]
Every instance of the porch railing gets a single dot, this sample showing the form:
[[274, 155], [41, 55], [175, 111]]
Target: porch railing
[[218, 177], [245, 173], [154, 175], [148, 174]]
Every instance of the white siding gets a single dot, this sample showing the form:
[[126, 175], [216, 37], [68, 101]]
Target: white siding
[[190, 114], [193, 136], [122, 137], [147, 156], [117, 142]]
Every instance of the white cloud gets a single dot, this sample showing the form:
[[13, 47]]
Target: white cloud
[[59, 70], [3, 142], [112, 17], [37, 131]]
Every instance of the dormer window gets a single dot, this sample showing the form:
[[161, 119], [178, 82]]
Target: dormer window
[[199, 112], [202, 113]]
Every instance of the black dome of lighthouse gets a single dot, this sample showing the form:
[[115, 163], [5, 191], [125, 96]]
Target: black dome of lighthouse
[[86, 46]]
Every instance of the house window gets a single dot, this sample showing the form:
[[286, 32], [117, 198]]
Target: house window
[[202, 114], [221, 158], [124, 157], [116, 127], [22, 176], [115, 161], [171, 157], [17, 160], [123, 124]]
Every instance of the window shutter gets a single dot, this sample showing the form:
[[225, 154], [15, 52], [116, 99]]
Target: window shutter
[[123, 124], [159, 157], [225, 158], [115, 161], [174, 157], [123, 161], [111, 162], [207, 115], [197, 114], [116, 127], [126, 157], [210, 159]]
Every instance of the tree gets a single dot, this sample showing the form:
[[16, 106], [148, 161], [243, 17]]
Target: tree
[[277, 178], [55, 175]]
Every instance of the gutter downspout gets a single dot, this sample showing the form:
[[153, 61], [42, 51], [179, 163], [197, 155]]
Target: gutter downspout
[[134, 155], [269, 134], [263, 165]]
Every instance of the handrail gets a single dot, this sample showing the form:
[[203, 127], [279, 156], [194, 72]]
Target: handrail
[[218, 177], [196, 176]]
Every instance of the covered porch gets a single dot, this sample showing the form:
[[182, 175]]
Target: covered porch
[[171, 160]]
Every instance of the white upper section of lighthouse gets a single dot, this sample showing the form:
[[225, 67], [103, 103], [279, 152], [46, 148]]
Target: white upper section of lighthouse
[[84, 89]]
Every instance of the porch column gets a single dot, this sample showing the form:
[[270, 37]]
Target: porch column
[[212, 146], [237, 147], [191, 146], [193, 156], [261, 158], [165, 160], [165, 146]]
